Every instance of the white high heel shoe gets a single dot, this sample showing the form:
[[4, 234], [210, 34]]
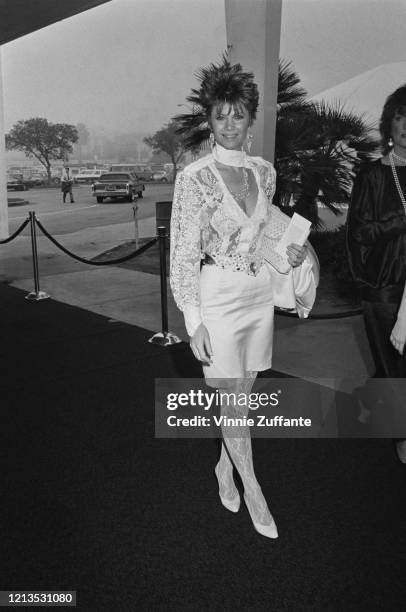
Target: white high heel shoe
[[231, 504], [269, 531]]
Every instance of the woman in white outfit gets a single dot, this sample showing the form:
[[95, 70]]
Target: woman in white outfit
[[221, 207]]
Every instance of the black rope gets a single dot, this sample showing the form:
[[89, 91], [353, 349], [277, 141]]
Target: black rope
[[337, 315], [109, 262], [20, 229]]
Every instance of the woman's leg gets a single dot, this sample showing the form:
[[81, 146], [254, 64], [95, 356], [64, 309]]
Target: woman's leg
[[237, 439], [224, 473]]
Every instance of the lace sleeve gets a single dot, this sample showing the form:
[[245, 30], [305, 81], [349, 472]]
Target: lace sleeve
[[185, 253]]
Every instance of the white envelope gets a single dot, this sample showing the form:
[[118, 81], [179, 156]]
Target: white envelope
[[297, 231]]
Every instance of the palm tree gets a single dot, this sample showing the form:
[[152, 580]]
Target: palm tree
[[290, 91], [318, 147]]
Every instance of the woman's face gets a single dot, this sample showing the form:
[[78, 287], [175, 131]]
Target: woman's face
[[398, 129], [229, 124]]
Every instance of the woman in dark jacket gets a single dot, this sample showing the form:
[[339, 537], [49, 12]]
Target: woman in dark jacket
[[376, 241]]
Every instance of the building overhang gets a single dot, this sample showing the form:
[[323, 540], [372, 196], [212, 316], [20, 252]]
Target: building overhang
[[21, 17]]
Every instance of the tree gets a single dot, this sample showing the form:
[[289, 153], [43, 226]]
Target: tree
[[318, 146], [167, 140], [45, 141], [83, 139], [290, 90]]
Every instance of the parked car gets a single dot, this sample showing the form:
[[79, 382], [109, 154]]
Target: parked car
[[144, 173], [16, 182], [160, 176], [88, 176], [117, 185], [36, 179]]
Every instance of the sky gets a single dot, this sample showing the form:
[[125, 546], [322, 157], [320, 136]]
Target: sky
[[128, 64]]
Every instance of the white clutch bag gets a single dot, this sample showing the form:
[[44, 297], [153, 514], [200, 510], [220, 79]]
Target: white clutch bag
[[274, 231], [294, 289]]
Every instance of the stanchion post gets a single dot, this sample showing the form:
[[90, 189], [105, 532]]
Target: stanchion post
[[136, 229], [37, 294], [165, 337]]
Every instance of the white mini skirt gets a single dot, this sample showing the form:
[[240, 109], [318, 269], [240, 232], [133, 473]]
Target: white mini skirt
[[238, 311]]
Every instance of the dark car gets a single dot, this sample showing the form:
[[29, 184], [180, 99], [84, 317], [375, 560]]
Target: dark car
[[124, 185], [36, 180], [16, 182], [144, 173]]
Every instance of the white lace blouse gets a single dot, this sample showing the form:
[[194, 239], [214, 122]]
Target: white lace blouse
[[207, 220]]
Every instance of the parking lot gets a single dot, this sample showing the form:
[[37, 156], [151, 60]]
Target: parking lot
[[62, 218]]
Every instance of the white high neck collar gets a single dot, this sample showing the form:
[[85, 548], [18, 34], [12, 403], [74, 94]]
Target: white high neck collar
[[229, 157]]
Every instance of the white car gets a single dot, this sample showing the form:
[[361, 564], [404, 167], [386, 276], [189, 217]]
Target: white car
[[88, 176], [160, 175]]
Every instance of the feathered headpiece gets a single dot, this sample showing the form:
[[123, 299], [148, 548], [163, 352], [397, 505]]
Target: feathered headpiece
[[223, 82]]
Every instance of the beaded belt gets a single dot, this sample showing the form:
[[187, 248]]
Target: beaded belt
[[237, 263]]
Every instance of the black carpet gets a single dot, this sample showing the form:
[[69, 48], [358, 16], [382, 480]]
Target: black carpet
[[92, 502]]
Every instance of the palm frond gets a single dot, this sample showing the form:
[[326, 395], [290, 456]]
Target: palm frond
[[290, 91], [193, 127]]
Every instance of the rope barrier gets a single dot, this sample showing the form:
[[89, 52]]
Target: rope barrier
[[91, 262], [17, 232], [165, 337]]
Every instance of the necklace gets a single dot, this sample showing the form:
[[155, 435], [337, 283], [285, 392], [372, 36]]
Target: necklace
[[396, 179], [242, 194]]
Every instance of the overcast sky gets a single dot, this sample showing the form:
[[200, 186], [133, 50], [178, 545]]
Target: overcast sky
[[128, 63]]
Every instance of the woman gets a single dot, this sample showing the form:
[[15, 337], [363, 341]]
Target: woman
[[376, 240], [221, 207]]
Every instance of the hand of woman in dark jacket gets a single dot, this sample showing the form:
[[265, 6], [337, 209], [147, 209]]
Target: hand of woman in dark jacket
[[398, 335]]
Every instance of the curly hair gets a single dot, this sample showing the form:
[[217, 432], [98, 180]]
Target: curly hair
[[395, 104]]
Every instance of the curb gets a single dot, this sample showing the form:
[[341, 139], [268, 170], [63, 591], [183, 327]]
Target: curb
[[17, 201]]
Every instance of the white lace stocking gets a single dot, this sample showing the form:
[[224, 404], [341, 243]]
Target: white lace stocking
[[224, 471], [237, 439]]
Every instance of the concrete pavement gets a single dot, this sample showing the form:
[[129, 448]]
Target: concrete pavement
[[327, 349]]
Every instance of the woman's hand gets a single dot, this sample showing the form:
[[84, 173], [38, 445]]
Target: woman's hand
[[201, 346], [398, 335], [296, 254]]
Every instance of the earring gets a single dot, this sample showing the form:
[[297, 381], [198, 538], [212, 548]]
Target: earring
[[249, 141], [390, 142], [212, 140]]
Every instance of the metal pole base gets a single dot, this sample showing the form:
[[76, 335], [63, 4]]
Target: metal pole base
[[37, 295], [164, 339]]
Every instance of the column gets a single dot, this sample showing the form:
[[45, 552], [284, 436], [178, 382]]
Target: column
[[253, 37]]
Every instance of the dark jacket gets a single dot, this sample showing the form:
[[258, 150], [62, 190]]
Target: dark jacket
[[376, 233]]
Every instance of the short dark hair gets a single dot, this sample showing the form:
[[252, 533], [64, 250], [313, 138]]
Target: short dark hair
[[226, 82], [395, 104]]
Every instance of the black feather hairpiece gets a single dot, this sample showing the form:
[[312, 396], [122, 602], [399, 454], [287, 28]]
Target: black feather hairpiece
[[222, 82]]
